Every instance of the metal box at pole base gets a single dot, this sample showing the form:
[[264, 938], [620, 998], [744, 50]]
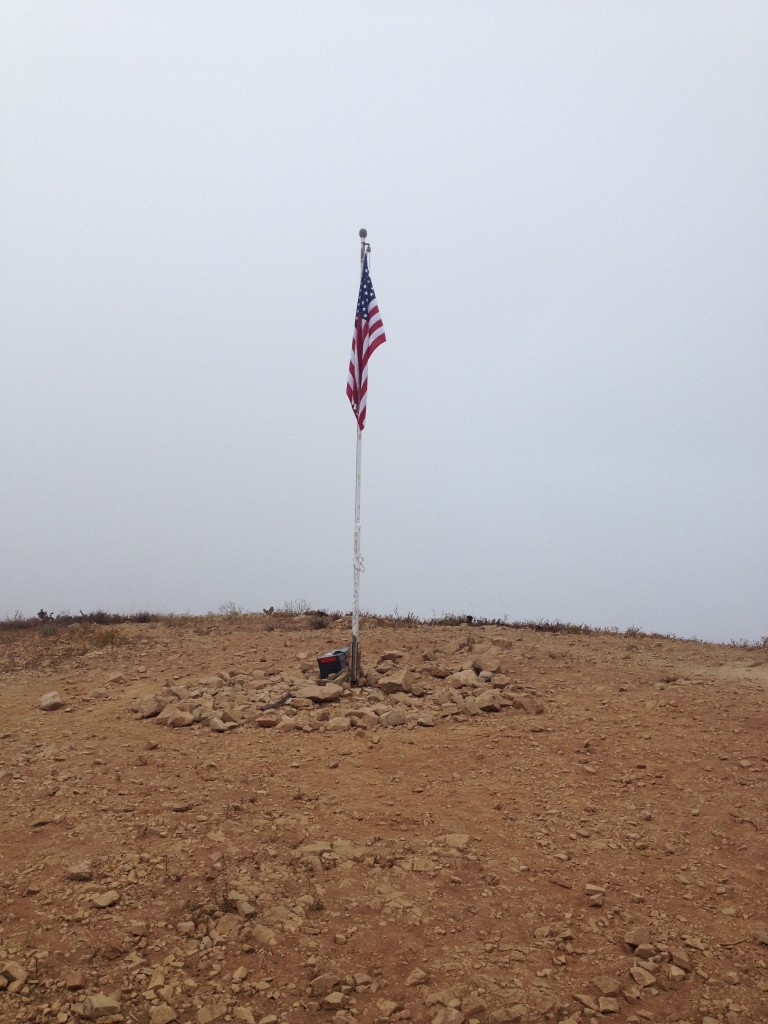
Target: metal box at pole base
[[333, 662]]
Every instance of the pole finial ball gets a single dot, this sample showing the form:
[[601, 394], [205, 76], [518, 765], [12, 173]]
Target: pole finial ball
[[363, 233]]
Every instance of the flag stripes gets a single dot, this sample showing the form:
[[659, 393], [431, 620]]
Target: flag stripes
[[368, 335]]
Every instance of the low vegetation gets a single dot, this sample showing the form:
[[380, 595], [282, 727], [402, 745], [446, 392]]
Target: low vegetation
[[300, 614]]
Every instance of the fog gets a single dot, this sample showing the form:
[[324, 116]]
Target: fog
[[568, 216]]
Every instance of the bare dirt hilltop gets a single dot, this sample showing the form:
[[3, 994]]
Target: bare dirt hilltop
[[504, 825]]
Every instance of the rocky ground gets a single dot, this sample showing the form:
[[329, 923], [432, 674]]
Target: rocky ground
[[503, 825]]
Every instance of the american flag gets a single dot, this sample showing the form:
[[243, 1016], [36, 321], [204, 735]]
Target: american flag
[[369, 334]]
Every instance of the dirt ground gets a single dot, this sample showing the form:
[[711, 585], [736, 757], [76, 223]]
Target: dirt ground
[[503, 825]]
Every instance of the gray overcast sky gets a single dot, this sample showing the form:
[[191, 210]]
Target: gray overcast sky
[[568, 211]]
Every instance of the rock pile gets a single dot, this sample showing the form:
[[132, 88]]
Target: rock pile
[[393, 694]]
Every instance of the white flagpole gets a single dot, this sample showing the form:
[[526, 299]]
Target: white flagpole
[[357, 562]]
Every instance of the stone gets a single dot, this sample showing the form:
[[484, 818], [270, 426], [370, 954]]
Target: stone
[[313, 849], [645, 951], [81, 872], [473, 1006], [632, 994], [268, 721], [466, 679], [345, 850], [392, 656], [528, 705], [448, 1015], [334, 1000], [399, 681], [16, 976], [177, 719], [262, 935], [162, 1014], [586, 1000], [509, 1014], [106, 899], [607, 1004], [320, 694], [99, 1005], [637, 936], [641, 977], [394, 717], [51, 701], [545, 1002], [388, 1007], [227, 927], [115, 678], [456, 841], [288, 725], [676, 973], [340, 723], [443, 997], [417, 977], [211, 1012], [325, 983], [425, 721], [607, 985], [158, 978], [74, 981], [489, 700], [488, 661], [148, 707]]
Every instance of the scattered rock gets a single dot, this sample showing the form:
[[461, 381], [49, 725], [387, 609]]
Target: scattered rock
[[106, 899], [607, 985], [456, 841], [394, 717], [16, 975], [162, 1014], [100, 1005], [400, 681], [175, 719], [334, 1000], [637, 936], [488, 700], [641, 977], [528, 705], [81, 872], [558, 879], [607, 1004], [211, 1012], [338, 724], [320, 694], [51, 701], [417, 977]]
